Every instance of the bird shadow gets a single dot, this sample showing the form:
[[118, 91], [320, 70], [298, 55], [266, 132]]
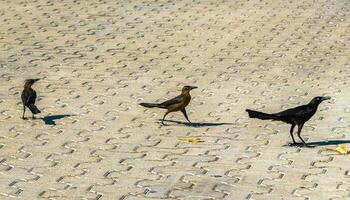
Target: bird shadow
[[330, 142], [319, 143], [198, 124], [50, 119]]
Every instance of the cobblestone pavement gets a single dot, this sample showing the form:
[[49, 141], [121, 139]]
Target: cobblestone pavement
[[99, 59]]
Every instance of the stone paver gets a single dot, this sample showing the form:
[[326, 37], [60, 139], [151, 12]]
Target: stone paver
[[99, 59]]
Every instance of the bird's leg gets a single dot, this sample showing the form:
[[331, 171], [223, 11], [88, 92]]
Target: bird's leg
[[291, 133], [185, 114], [167, 112], [33, 117], [24, 111], [300, 126]]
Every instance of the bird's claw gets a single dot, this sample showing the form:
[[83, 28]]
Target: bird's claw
[[294, 144], [300, 145]]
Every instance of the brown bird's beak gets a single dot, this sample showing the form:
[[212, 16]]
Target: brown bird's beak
[[35, 80], [193, 87]]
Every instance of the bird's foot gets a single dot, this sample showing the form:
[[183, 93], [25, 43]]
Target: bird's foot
[[33, 117], [295, 144], [24, 118], [189, 123]]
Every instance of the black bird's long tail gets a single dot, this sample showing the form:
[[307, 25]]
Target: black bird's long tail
[[261, 115], [33, 109], [152, 105]]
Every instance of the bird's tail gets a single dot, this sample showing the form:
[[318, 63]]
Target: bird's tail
[[33, 109], [152, 105], [261, 115]]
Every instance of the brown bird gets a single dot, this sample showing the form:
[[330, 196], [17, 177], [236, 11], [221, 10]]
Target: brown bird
[[178, 103], [28, 98]]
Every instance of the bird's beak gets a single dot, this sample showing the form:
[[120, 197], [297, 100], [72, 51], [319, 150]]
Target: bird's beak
[[326, 98], [193, 87], [35, 80]]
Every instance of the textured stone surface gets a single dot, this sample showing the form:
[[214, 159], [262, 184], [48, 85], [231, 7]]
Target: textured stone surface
[[99, 59]]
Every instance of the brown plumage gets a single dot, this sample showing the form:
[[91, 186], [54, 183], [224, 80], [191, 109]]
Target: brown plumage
[[28, 97], [178, 103]]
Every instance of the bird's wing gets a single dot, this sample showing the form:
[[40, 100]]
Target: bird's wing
[[31, 98], [300, 111], [173, 101]]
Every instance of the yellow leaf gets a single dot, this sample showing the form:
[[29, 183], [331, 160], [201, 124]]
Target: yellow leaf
[[341, 149], [190, 139]]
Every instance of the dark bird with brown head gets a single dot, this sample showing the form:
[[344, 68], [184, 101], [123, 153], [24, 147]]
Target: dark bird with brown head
[[178, 103], [28, 98]]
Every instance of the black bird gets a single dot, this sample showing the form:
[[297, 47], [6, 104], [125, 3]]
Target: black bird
[[294, 116], [178, 103], [28, 97]]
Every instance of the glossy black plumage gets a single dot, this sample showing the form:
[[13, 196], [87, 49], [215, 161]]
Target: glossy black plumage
[[295, 116]]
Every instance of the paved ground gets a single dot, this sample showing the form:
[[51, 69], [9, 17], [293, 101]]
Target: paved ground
[[99, 59]]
